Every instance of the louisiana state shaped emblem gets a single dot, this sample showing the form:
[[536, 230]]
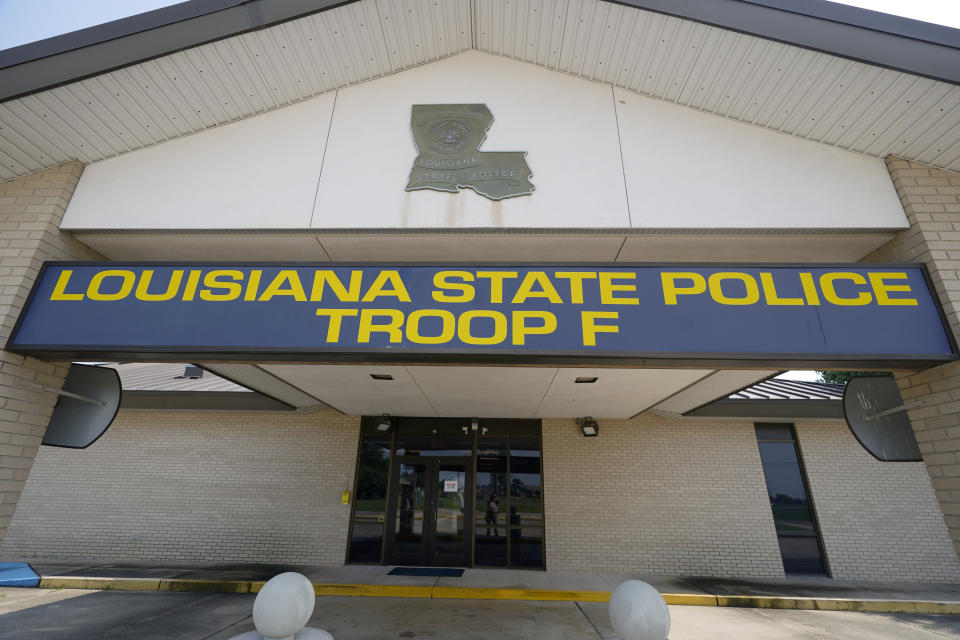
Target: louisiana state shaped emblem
[[448, 139]]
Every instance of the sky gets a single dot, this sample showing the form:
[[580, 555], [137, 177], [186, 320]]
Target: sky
[[806, 376], [945, 12], [23, 21]]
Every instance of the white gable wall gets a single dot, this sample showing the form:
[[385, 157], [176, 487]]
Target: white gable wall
[[601, 159], [258, 173], [689, 169]]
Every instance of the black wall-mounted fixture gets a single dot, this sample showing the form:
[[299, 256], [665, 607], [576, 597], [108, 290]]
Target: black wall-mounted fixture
[[589, 427], [383, 423]]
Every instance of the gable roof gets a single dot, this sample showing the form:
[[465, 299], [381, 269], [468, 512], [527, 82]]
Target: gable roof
[[778, 399], [780, 389], [851, 32], [847, 77]]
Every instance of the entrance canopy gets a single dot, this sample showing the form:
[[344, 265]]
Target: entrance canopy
[[646, 315], [368, 339], [511, 341]]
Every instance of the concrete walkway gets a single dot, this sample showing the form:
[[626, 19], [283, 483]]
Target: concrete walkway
[[507, 584]]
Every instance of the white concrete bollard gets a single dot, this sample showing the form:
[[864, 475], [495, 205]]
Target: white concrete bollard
[[282, 609], [639, 612]]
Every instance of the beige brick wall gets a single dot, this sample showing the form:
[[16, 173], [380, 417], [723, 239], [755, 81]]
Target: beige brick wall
[[649, 495], [931, 200], [878, 520], [652, 495], [211, 486], [31, 208], [937, 427]]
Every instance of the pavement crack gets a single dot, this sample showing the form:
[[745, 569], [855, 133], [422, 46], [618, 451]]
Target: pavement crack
[[589, 621]]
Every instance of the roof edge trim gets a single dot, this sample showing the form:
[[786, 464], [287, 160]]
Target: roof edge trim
[[70, 57], [884, 40], [112, 30]]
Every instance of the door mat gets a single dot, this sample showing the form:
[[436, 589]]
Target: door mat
[[426, 571]]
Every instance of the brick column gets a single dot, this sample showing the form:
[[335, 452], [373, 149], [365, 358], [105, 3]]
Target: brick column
[[31, 208], [931, 200]]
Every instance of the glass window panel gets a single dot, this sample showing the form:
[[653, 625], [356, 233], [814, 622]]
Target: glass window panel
[[494, 449], [801, 554], [525, 492], [789, 500], [778, 432], [525, 428], [450, 537], [526, 511], [452, 437], [370, 498], [490, 528], [781, 467], [526, 539], [408, 536], [786, 488], [490, 517], [524, 455], [525, 475], [493, 429]]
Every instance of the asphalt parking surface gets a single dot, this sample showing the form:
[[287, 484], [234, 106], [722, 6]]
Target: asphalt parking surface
[[115, 615]]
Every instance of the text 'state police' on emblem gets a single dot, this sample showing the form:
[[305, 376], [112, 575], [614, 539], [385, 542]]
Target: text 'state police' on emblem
[[448, 139]]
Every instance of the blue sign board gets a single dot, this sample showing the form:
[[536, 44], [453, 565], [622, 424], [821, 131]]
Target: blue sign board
[[317, 312]]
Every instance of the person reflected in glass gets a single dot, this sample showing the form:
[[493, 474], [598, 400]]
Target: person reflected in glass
[[514, 523], [493, 510], [516, 536]]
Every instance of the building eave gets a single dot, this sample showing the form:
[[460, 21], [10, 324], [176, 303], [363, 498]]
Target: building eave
[[53, 62], [880, 39], [121, 89], [893, 42], [201, 401]]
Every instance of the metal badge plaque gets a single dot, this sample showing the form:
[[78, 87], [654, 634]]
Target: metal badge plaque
[[448, 139]]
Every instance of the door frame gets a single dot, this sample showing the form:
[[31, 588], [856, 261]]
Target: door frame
[[427, 555]]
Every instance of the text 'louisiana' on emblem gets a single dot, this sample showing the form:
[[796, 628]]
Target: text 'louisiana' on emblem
[[448, 139]]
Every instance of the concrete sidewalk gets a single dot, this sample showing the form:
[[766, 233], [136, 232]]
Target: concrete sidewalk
[[507, 584]]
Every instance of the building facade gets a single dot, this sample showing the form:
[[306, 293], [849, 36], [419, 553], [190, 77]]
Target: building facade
[[796, 164], [648, 495]]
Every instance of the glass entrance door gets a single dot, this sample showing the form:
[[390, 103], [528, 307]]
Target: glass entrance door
[[451, 540], [407, 535], [429, 514]]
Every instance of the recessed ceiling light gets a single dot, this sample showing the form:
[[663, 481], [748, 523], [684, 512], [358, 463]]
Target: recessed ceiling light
[[586, 380], [381, 376]]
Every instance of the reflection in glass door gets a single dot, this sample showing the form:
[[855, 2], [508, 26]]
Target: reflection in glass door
[[450, 542], [434, 491], [428, 512], [411, 500]]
